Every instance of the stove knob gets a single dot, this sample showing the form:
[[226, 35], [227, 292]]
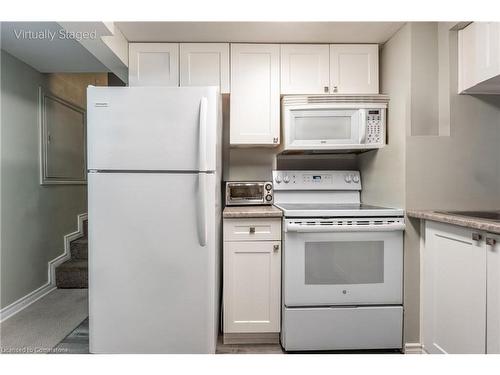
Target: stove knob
[[347, 178], [286, 179], [355, 178], [278, 179]]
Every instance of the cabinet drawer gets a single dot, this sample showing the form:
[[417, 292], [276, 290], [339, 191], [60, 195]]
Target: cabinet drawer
[[252, 229]]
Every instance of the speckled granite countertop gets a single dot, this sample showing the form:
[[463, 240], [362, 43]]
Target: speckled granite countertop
[[251, 211], [464, 221]]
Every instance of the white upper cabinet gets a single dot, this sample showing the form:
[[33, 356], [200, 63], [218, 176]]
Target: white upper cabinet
[[205, 64], [354, 69], [153, 64], [255, 94], [479, 58], [305, 69]]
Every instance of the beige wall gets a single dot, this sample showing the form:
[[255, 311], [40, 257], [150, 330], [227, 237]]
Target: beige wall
[[34, 218], [460, 171], [73, 86], [383, 171], [445, 153]]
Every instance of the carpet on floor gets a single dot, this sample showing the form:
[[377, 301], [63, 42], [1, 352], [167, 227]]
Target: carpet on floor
[[42, 325]]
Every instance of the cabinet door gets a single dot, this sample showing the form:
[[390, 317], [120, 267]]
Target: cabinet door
[[252, 274], [487, 50], [354, 69], [467, 70], [255, 94], [305, 69], [493, 298], [153, 64], [205, 64], [454, 290]]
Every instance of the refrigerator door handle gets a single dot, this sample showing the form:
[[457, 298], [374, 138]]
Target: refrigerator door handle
[[202, 141], [202, 209]]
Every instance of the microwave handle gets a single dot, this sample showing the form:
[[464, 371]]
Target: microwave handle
[[364, 125]]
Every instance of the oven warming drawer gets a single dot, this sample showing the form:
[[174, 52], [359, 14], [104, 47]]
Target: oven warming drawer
[[342, 328]]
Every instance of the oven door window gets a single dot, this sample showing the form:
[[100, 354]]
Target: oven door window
[[325, 126], [344, 263]]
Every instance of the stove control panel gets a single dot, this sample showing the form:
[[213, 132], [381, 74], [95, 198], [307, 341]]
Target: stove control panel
[[317, 180]]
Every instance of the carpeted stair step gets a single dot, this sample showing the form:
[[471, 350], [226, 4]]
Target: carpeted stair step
[[72, 274], [80, 248]]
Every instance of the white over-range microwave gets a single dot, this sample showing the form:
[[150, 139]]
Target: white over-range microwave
[[333, 122]]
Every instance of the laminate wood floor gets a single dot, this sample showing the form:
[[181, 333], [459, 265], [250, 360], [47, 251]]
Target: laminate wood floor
[[77, 342]]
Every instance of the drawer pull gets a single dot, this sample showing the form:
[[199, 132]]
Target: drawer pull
[[252, 230], [476, 237], [490, 241]]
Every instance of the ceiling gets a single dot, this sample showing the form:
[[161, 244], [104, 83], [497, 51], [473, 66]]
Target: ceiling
[[260, 32], [45, 55]]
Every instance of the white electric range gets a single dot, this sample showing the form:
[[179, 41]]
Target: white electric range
[[342, 264]]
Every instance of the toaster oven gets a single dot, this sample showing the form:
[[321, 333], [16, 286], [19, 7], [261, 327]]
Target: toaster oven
[[239, 193]]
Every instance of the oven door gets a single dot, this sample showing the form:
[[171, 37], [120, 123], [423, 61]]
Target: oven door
[[323, 128], [328, 264]]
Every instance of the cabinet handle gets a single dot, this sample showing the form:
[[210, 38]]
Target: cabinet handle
[[276, 248], [326, 89], [335, 89], [275, 140], [476, 237], [252, 230], [490, 241]]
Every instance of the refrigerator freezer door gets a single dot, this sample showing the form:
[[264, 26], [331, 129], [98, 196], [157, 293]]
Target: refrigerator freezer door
[[152, 128], [153, 282]]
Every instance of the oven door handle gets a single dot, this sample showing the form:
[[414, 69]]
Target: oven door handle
[[318, 228]]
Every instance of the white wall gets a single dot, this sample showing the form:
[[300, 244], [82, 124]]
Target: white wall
[[34, 218]]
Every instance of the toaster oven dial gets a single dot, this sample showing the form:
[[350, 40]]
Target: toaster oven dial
[[269, 198], [269, 187]]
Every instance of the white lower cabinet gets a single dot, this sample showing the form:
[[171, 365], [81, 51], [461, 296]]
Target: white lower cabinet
[[493, 294], [252, 278], [461, 291]]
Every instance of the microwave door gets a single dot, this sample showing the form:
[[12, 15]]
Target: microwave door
[[313, 128]]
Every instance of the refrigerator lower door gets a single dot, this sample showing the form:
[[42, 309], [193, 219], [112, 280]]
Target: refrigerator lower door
[[153, 263]]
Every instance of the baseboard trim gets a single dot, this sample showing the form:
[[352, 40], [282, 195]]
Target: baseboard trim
[[33, 296], [23, 302], [66, 254], [414, 348], [251, 338]]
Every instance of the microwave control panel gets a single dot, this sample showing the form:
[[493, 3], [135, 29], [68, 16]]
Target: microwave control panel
[[374, 126]]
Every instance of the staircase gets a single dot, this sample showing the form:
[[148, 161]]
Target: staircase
[[73, 274]]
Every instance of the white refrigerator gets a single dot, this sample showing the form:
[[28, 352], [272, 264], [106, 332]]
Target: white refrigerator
[[154, 219]]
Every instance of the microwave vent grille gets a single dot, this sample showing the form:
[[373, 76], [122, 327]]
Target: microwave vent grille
[[323, 99]]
